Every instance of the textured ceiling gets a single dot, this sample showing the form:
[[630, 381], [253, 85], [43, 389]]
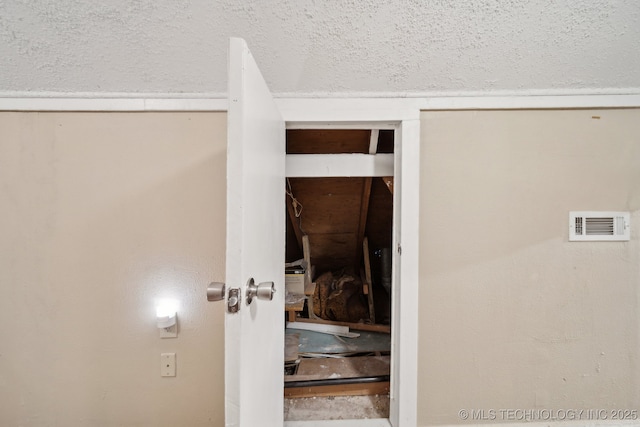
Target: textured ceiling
[[321, 47]]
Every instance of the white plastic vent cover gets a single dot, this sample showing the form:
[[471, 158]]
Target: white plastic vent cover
[[599, 226]]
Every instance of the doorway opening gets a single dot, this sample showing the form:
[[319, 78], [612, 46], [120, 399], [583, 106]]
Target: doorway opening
[[339, 239]]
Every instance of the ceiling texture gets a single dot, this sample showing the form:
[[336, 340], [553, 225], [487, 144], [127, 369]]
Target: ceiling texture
[[321, 47]]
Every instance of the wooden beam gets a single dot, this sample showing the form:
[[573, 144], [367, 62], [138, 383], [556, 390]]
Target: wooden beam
[[306, 251], [308, 273], [338, 165], [309, 284], [367, 275], [366, 389], [295, 222], [373, 143], [364, 210]]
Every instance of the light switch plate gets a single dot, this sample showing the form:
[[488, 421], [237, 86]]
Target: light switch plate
[[170, 332], [168, 364]]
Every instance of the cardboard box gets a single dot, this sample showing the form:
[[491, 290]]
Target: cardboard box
[[294, 283]]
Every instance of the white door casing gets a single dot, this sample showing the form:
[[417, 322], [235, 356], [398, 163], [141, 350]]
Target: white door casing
[[254, 336], [351, 114]]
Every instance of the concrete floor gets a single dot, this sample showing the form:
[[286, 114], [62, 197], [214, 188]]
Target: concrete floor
[[336, 408]]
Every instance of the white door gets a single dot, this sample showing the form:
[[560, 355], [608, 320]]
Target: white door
[[254, 335]]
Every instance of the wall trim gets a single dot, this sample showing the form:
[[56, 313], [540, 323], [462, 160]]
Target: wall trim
[[218, 102], [530, 102], [106, 103]]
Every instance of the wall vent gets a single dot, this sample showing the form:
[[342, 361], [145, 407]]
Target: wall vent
[[599, 226]]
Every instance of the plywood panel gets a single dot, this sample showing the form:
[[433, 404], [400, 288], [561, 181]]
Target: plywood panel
[[332, 245], [331, 205], [337, 213], [331, 216], [327, 141], [385, 141]]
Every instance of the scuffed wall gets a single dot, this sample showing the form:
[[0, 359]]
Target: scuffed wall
[[513, 316], [101, 215]]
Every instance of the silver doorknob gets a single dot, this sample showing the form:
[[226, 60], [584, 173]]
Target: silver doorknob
[[215, 291], [264, 290]]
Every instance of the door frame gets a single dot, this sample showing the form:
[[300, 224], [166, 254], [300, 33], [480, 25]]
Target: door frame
[[404, 118]]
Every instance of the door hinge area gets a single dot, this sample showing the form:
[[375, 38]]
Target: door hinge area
[[399, 249]]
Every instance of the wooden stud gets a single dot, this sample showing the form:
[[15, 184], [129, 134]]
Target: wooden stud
[[292, 309], [364, 210], [309, 285], [295, 222], [306, 251], [367, 272], [373, 142]]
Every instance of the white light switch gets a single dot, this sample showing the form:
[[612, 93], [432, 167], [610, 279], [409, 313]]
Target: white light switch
[[168, 364]]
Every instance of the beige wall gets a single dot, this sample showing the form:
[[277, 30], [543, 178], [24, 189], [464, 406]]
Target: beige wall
[[101, 214], [513, 316]]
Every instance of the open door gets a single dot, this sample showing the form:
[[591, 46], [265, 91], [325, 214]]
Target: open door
[[255, 256], [254, 320]]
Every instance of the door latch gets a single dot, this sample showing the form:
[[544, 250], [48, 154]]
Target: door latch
[[264, 291], [233, 301]]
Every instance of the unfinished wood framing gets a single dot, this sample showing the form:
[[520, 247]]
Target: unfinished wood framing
[[336, 165], [367, 389], [373, 144], [367, 275], [295, 221], [328, 141], [293, 309], [364, 210], [346, 207]]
